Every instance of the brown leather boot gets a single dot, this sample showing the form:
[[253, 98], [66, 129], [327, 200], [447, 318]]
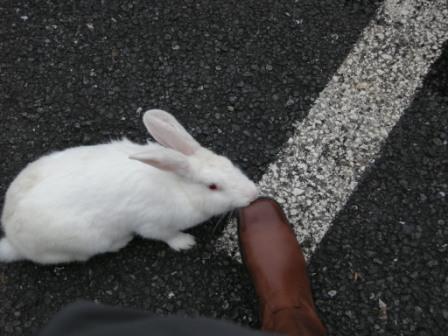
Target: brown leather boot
[[278, 269]]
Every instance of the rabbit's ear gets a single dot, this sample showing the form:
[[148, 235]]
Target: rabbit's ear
[[169, 132], [164, 159]]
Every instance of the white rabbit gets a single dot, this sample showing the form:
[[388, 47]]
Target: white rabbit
[[82, 201]]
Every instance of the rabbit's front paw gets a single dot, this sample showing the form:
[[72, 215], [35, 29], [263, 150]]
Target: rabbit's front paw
[[182, 241]]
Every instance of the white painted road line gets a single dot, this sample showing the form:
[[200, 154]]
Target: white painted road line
[[342, 135]]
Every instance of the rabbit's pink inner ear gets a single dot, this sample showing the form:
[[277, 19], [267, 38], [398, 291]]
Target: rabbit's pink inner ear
[[169, 132], [169, 137]]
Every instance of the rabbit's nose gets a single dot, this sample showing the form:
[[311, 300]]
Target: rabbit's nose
[[253, 193]]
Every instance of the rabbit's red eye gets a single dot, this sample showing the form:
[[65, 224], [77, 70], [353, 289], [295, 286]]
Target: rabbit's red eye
[[213, 186]]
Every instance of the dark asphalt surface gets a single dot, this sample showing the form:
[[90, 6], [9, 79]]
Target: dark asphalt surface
[[391, 240], [234, 72], [237, 74]]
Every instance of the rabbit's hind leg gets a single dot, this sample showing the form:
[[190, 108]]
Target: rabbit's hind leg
[[8, 253]]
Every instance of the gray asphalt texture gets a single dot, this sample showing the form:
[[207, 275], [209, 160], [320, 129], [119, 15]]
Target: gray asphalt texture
[[390, 242], [237, 74]]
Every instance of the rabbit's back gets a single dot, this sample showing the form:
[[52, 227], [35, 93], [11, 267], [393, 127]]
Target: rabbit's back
[[75, 167]]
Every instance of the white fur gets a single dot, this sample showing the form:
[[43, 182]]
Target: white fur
[[70, 205]]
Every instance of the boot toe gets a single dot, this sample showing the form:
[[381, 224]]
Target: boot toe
[[260, 214]]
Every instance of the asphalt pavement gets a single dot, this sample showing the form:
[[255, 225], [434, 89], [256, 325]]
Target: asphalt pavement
[[382, 266], [240, 76]]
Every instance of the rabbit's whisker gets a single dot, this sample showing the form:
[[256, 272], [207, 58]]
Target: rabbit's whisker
[[219, 221]]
